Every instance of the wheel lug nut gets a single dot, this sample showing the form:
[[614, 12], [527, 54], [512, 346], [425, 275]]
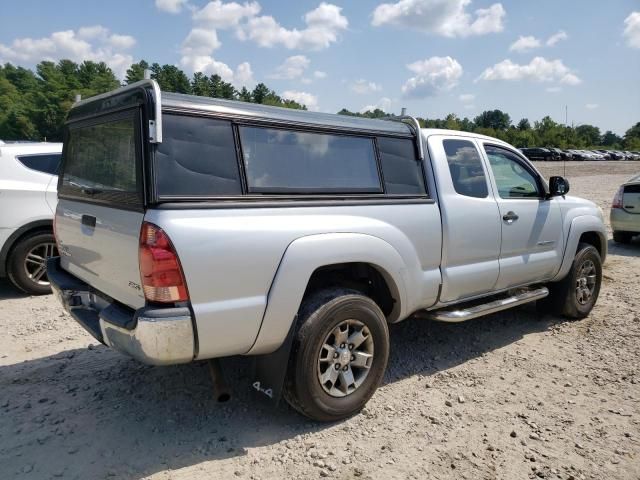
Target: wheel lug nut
[[353, 357], [337, 366], [335, 355], [345, 368], [342, 345], [351, 346]]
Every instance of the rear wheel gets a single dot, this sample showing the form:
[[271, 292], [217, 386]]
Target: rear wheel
[[27, 264], [622, 237], [339, 355], [575, 296]]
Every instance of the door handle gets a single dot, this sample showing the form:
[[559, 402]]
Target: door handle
[[510, 217], [89, 221]]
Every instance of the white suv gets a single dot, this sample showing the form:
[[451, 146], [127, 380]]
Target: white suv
[[28, 189]]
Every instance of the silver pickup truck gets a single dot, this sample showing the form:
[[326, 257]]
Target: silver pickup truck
[[194, 228]]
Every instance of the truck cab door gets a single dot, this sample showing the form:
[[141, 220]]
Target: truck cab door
[[532, 234], [470, 218]]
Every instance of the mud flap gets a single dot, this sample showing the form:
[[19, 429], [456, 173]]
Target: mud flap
[[270, 370]]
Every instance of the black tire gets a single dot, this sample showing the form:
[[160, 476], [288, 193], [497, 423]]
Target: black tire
[[16, 263], [622, 237], [563, 296], [319, 315]]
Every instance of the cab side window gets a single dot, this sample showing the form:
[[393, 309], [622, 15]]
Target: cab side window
[[466, 169], [513, 179]]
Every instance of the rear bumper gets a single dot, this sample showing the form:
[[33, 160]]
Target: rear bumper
[[155, 336], [623, 221]]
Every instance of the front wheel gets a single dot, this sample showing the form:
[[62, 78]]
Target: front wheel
[[575, 295], [339, 355]]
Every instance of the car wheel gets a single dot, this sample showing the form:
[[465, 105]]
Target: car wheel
[[575, 296], [27, 263], [339, 355], [622, 237]]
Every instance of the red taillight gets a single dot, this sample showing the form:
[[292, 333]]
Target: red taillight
[[617, 200], [160, 271]]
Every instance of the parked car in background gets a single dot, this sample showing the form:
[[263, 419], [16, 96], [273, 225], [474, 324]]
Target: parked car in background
[[538, 154], [625, 211], [559, 154], [194, 228], [28, 186], [578, 155]]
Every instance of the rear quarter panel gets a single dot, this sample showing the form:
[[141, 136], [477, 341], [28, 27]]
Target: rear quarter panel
[[230, 258]]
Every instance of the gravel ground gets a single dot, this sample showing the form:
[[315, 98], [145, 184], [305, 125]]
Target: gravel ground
[[508, 396]]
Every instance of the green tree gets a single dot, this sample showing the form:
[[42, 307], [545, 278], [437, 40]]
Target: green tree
[[495, 119], [135, 72], [260, 92], [245, 95], [524, 124], [170, 78], [610, 139], [589, 135], [200, 85], [632, 138]]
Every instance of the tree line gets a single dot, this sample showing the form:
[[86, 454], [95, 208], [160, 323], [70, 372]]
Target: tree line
[[34, 105], [543, 133]]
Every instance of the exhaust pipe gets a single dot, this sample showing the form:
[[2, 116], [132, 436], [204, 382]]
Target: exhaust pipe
[[221, 390]]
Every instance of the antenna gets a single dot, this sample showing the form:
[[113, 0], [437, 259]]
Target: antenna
[[78, 97], [566, 138], [147, 74], [403, 112]]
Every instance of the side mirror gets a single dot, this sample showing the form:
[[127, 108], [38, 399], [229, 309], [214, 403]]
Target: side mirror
[[558, 186]]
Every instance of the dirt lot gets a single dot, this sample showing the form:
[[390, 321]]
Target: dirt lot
[[508, 396]]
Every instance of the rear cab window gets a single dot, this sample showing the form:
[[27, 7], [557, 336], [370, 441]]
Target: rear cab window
[[465, 167], [102, 161]]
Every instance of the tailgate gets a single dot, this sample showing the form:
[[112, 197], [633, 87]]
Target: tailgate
[[101, 206], [631, 198]]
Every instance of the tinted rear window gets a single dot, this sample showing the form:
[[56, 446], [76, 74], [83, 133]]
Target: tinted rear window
[[284, 161], [466, 169], [45, 163], [197, 157], [400, 166], [101, 161]]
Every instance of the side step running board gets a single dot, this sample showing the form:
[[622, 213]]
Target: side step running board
[[462, 314]]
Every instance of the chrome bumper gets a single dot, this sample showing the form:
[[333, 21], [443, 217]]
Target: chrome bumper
[[155, 336]]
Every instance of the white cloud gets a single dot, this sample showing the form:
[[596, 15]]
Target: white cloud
[[292, 67], [591, 106], [225, 15], [200, 42], [383, 104], [432, 76], [539, 70], [363, 87], [320, 74], [448, 18], [556, 37], [170, 6], [632, 29], [95, 43], [244, 75], [308, 99], [323, 26], [467, 97], [524, 43]]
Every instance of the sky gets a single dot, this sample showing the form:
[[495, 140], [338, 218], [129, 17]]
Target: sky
[[433, 57]]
